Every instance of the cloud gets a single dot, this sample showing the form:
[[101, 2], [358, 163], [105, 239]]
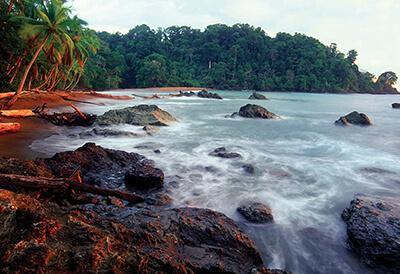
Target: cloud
[[369, 26]]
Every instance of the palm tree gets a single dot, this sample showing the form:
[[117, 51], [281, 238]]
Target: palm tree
[[51, 25]]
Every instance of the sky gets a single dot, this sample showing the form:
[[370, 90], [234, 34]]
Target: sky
[[371, 27]]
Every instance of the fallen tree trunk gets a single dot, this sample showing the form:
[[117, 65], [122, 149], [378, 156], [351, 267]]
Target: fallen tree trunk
[[66, 98], [109, 96], [18, 113], [9, 127], [11, 181], [6, 95], [76, 118]]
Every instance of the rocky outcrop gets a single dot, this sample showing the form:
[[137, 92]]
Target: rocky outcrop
[[141, 115], [256, 212], [257, 96], [98, 166], [209, 95], [373, 229], [255, 111], [144, 177], [354, 118], [36, 237], [396, 105], [222, 152]]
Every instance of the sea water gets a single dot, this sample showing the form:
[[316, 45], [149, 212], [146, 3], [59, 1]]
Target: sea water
[[306, 168]]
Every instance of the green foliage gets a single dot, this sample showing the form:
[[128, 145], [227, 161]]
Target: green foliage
[[236, 57]]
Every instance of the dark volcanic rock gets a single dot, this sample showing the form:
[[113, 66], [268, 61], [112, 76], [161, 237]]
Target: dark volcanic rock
[[256, 212], [100, 166], [396, 105], [223, 153], [255, 111], [144, 177], [257, 96], [373, 229], [44, 238], [206, 94], [142, 115], [354, 118]]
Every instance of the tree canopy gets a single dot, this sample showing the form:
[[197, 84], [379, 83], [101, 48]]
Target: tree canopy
[[45, 47]]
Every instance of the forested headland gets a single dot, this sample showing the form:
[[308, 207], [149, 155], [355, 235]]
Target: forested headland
[[68, 55]]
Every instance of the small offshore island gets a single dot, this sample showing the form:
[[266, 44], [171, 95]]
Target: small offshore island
[[260, 172]]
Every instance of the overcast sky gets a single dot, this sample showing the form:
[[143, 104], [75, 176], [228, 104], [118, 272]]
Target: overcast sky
[[372, 27]]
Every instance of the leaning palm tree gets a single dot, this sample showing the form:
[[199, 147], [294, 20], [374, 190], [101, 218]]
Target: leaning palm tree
[[51, 25]]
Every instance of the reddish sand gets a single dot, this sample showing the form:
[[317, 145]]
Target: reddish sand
[[17, 144]]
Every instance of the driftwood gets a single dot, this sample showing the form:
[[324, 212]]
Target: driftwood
[[155, 96], [67, 98], [6, 95], [18, 113], [109, 96], [9, 127], [11, 181], [76, 118]]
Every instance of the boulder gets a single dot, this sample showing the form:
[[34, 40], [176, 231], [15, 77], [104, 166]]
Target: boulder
[[206, 94], [373, 229], [144, 177], [354, 118], [255, 212], [396, 105], [141, 115], [98, 166], [223, 153], [255, 111], [37, 237], [257, 96]]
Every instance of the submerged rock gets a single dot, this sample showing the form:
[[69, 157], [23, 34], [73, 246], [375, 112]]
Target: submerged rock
[[354, 118], [108, 133], [256, 212], [206, 94], [255, 111], [396, 105], [141, 115], [151, 129], [249, 168], [257, 96], [373, 229], [40, 238], [223, 153]]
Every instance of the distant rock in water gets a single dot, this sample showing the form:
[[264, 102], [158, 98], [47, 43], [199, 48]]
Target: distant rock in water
[[141, 115], [249, 168], [256, 212], [354, 118], [373, 229], [257, 96], [223, 153], [186, 93], [396, 105], [206, 94], [254, 111]]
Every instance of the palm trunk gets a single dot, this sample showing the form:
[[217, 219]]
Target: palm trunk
[[46, 80], [21, 85], [10, 7], [18, 65], [77, 81]]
